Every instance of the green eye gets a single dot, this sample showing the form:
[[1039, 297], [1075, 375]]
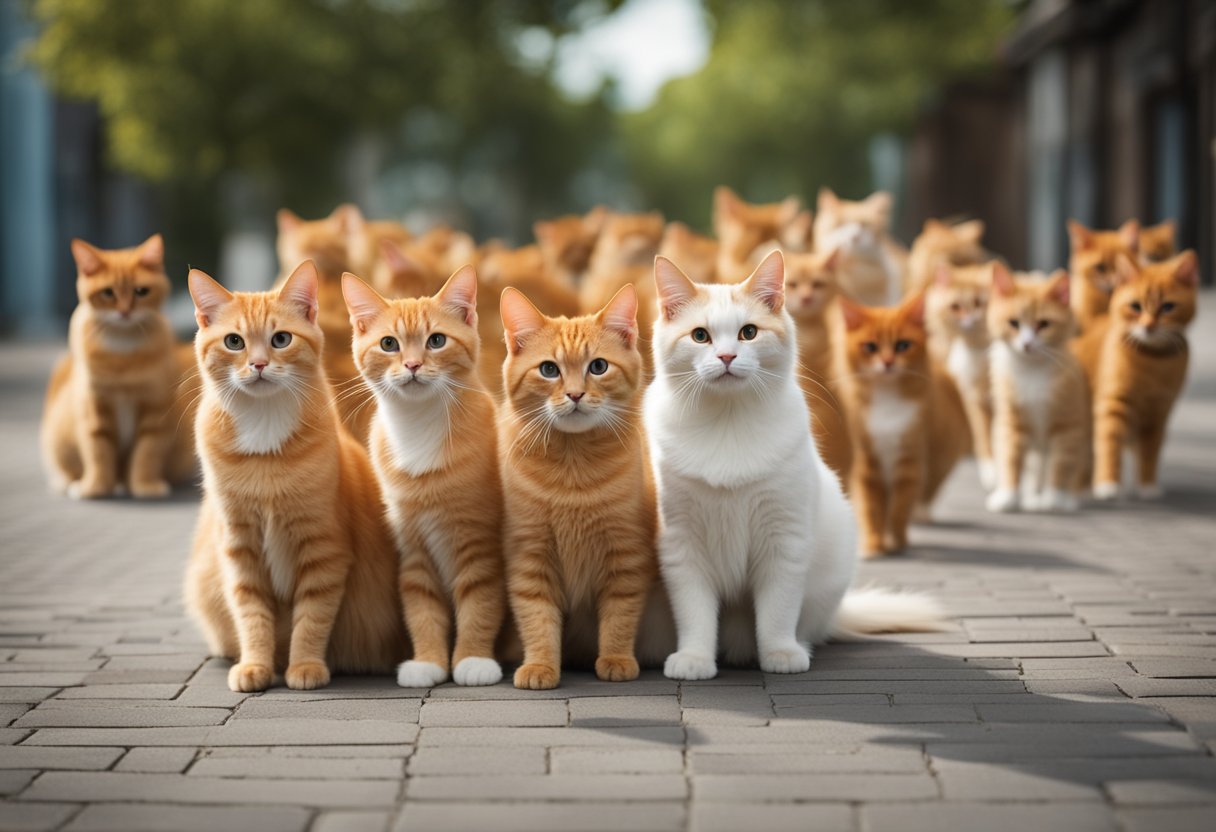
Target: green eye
[[700, 335], [549, 369], [598, 367], [389, 344], [234, 342], [437, 340], [748, 332], [902, 346], [280, 340]]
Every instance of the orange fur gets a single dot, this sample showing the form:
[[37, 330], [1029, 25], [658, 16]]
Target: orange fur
[[1136, 360], [1158, 242], [367, 239], [580, 505], [568, 242], [696, 254], [1092, 264], [905, 418], [434, 450], [877, 262], [625, 254], [748, 231], [293, 567], [113, 417], [940, 244]]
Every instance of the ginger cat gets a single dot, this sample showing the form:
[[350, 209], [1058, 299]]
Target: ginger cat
[[625, 254], [956, 309], [293, 565], [114, 419], [580, 506], [905, 418], [366, 244], [1092, 264], [871, 264], [748, 231], [434, 451], [941, 244], [1158, 242], [568, 242], [1039, 394], [810, 295], [1135, 359], [696, 253]]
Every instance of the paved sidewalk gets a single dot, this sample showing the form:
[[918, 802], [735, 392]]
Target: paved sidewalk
[[1075, 689]]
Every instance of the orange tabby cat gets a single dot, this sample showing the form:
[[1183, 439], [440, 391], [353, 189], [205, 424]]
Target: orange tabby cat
[[113, 417], [434, 450], [580, 505], [293, 566], [1039, 395], [957, 318], [696, 254], [905, 418], [871, 264], [748, 231], [1136, 360], [941, 244], [1092, 265], [625, 254], [366, 243], [1158, 242], [810, 294], [567, 243]]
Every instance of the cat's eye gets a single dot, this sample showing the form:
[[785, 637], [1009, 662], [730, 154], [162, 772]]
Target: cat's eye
[[1014, 323], [280, 340], [1042, 324], [549, 369], [979, 303], [389, 344], [234, 342], [700, 335], [1135, 306], [1101, 268], [142, 291], [902, 346], [957, 307], [437, 340], [597, 367], [870, 346], [107, 293], [1168, 306], [748, 332]]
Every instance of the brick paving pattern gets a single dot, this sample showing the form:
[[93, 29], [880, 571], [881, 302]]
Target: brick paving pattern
[[1074, 690]]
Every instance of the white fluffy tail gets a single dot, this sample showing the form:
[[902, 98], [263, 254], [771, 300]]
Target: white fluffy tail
[[870, 611]]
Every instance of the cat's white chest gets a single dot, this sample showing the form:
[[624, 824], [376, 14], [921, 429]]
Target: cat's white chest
[[264, 425], [966, 365], [1032, 382], [417, 433], [888, 420]]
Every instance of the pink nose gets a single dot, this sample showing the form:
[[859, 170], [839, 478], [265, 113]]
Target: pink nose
[[413, 366], [258, 365], [726, 359], [575, 397]]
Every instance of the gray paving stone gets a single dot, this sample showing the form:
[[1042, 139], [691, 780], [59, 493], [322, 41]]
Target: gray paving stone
[[156, 760], [299, 768], [151, 817], [507, 714], [393, 710], [1139, 687], [1175, 668], [894, 686], [30, 696], [133, 717], [922, 817], [150, 691], [47, 678], [1182, 819], [616, 761], [238, 732], [1000, 782], [607, 711], [34, 817], [728, 716], [856, 760], [1071, 712], [552, 787], [591, 816], [13, 780], [363, 752], [1162, 792], [821, 817], [552, 737], [879, 714], [10, 712], [831, 788], [351, 822], [72, 759], [470, 761]]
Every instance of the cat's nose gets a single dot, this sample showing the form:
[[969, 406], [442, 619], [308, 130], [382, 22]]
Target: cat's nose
[[413, 366], [258, 365], [575, 397], [726, 359]]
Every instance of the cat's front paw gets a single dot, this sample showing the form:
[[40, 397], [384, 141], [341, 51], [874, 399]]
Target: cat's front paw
[[537, 677], [690, 667], [1057, 500], [987, 474], [307, 675], [1003, 500], [247, 677], [150, 490], [1106, 491], [475, 671], [415, 674], [89, 490], [1150, 492], [786, 660], [616, 668]]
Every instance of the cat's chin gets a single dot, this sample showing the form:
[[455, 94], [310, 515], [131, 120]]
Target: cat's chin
[[578, 421], [262, 388]]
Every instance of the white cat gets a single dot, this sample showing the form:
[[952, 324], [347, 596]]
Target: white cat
[[752, 518]]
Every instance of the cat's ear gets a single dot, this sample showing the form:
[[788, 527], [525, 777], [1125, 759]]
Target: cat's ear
[[209, 297], [943, 275], [831, 261], [1170, 228], [799, 232], [288, 220], [1126, 269], [88, 258], [1002, 279], [1060, 289], [300, 290], [348, 217], [972, 230], [675, 289], [362, 302], [853, 313], [767, 282], [520, 318], [933, 226], [621, 315], [152, 252], [880, 202], [593, 220], [1186, 269], [726, 202], [913, 309], [790, 206], [1079, 235], [1129, 233], [459, 294], [398, 261], [827, 199]]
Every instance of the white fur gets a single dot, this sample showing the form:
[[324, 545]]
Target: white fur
[[888, 420], [417, 430], [124, 422], [751, 516], [476, 671], [264, 423], [1031, 372], [414, 674]]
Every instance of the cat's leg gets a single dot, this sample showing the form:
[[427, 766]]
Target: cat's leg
[[779, 587], [149, 454], [694, 604], [869, 494], [1149, 450], [251, 599], [1065, 458], [1110, 436], [428, 619], [97, 436], [907, 486], [321, 572], [480, 601], [534, 590], [979, 418], [629, 575], [1010, 450]]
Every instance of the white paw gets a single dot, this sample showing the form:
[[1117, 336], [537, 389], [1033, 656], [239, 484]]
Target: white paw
[[690, 666], [1150, 492], [477, 671], [414, 674], [987, 474], [1106, 491], [1058, 500], [789, 660], [1002, 500]]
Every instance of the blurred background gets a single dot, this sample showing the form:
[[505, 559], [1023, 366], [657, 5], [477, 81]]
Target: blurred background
[[199, 118]]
